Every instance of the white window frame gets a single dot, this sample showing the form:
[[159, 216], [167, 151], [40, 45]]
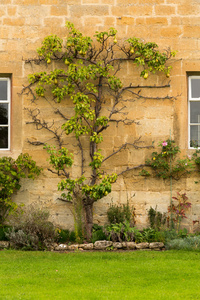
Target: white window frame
[[7, 101]]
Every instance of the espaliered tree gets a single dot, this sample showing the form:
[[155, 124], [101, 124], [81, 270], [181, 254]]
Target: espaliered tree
[[84, 72]]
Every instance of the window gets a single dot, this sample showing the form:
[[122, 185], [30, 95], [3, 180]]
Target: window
[[4, 113]]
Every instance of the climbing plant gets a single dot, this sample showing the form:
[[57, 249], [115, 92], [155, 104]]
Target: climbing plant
[[167, 162], [11, 171], [85, 73]]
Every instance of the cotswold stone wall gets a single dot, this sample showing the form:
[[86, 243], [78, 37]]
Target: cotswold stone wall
[[169, 23]]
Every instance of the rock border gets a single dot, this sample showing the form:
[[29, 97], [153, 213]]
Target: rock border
[[108, 245], [99, 246]]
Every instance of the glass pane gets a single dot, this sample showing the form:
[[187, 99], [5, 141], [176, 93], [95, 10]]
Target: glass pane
[[3, 137], [195, 136], [195, 86], [3, 114], [3, 90], [194, 112]]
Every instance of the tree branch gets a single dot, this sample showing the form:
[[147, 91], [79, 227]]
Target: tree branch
[[64, 200], [132, 168], [124, 146]]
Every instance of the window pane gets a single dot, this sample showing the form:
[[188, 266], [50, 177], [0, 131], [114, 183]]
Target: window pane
[[195, 136], [3, 89], [3, 114], [195, 86], [194, 112], [3, 137]]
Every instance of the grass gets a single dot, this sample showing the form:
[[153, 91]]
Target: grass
[[99, 275]]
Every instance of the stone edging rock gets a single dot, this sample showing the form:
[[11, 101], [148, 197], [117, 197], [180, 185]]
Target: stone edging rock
[[108, 245], [100, 245]]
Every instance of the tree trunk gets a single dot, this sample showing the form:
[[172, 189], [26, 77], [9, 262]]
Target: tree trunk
[[88, 207]]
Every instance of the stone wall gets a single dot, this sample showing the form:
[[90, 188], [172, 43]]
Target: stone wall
[[169, 23]]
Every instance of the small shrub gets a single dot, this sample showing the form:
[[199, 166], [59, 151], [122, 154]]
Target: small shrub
[[166, 236], [170, 235], [31, 229], [3, 231], [178, 209], [11, 172], [156, 218], [98, 233], [72, 237], [183, 233], [188, 243], [119, 214], [121, 232], [159, 236], [149, 235], [137, 236], [65, 236]]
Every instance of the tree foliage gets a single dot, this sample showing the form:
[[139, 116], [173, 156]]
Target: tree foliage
[[11, 171], [84, 72]]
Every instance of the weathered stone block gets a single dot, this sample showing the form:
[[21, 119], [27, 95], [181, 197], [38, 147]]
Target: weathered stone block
[[142, 246], [165, 10], [126, 21], [143, 10], [171, 31], [93, 20], [61, 247], [102, 245], [90, 1], [4, 244], [117, 245], [156, 245], [59, 10], [93, 10], [54, 22], [129, 245], [157, 21], [73, 247], [50, 2], [86, 246], [14, 21]]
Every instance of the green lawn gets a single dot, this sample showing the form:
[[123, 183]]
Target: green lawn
[[99, 275]]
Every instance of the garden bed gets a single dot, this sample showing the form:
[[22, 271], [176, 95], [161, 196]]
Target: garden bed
[[98, 245]]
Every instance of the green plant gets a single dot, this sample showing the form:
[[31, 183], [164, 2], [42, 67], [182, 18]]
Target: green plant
[[65, 236], [196, 157], [72, 237], [156, 218], [98, 233], [187, 243], [120, 214], [11, 171], [178, 210], [183, 233], [121, 232], [149, 235], [84, 75], [169, 234], [31, 229], [3, 231], [165, 164]]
